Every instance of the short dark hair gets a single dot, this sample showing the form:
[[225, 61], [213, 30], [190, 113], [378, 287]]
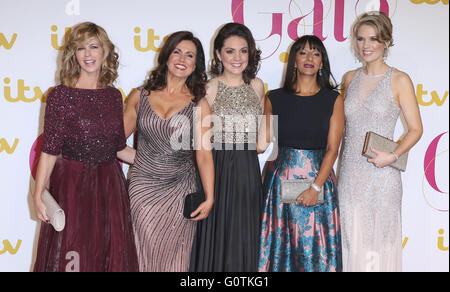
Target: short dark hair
[[197, 80], [240, 30], [323, 80]]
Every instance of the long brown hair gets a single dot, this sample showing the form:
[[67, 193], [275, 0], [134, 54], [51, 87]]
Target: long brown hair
[[70, 69], [196, 82]]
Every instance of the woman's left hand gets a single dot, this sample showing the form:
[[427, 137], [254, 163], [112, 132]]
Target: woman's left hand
[[202, 211], [308, 198], [382, 159]]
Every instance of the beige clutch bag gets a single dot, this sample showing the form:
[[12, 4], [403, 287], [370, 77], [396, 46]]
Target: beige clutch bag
[[291, 189], [381, 143], [54, 211]]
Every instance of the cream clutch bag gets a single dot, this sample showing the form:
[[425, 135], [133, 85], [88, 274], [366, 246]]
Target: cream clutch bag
[[291, 189], [54, 211], [381, 143]]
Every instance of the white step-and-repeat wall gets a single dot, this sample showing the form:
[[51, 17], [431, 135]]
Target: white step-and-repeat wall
[[32, 32]]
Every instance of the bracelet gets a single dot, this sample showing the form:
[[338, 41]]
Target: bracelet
[[395, 155], [316, 187]]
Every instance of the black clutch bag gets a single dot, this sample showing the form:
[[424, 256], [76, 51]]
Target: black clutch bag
[[192, 202]]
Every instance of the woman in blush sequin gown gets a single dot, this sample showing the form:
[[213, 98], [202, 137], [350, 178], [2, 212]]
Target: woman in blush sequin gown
[[228, 240], [84, 122], [370, 191], [304, 237], [163, 113]]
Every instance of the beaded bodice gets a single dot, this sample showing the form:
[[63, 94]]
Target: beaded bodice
[[236, 110], [369, 106], [84, 124]]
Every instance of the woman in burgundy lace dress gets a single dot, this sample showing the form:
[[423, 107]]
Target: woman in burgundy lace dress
[[83, 121]]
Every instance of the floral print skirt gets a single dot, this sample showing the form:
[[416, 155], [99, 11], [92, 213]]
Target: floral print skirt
[[296, 238]]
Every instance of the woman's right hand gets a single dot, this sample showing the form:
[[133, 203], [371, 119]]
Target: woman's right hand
[[308, 198], [45, 168], [40, 209]]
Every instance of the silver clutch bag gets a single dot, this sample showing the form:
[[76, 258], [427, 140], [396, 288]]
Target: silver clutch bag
[[381, 143], [54, 211], [291, 189]]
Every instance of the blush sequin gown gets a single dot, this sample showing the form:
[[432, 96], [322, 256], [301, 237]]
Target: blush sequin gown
[[86, 126], [370, 197], [163, 174]]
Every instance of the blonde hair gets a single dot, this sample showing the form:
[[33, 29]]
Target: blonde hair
[[381, 23], [70, 69]]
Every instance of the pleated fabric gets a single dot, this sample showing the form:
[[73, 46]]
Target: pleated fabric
[[163, 174], [297, 238], [98, 236], [228, 240], [86, 127]]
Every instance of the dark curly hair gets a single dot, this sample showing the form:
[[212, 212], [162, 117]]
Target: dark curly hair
[[323, 79], [237, 29], [196, 82]]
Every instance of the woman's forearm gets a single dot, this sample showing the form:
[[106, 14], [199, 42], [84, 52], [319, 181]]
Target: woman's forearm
[[206, 170], [44, 171], [127, 155], [326, 167], [266, 128], [412, 137]]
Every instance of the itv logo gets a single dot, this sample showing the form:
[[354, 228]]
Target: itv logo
[[8, 248], [7, 43], [5, 146]]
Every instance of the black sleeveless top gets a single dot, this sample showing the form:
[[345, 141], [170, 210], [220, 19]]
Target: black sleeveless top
[[303, 121]]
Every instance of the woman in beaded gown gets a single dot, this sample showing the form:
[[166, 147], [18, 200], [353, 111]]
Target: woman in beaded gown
[[370, 190], [164, 171], [84, 122], [304, 237], [227, 241]]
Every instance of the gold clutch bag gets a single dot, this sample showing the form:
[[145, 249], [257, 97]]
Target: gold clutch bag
[[291, 189], [54, 212], [381, 143]]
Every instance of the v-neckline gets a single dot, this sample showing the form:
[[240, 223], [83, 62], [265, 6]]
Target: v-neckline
[[168, 118]]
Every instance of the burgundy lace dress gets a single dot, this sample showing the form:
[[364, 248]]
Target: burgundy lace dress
[[86, 126]]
